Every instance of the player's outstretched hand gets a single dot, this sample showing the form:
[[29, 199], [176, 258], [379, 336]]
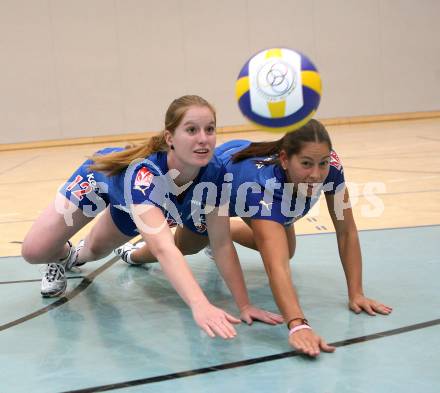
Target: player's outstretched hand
[[214, 321], [250, 313], [305, 341], [361, 303]]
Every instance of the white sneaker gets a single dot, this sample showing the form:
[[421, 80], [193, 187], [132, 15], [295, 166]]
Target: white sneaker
[[125, 251], [54, 281], [73, 261]]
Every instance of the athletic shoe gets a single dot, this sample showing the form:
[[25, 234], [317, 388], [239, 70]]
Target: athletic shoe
[[73, 262], [126, 249], [54, 281]]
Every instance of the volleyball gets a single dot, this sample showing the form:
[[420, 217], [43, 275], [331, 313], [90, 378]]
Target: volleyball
[[278, 89]]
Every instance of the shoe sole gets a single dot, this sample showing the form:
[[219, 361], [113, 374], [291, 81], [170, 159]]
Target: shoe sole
[[55, 294]]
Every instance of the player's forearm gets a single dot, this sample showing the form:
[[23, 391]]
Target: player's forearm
[[351, 258], [229, 266], [284, 293], [276, 263]]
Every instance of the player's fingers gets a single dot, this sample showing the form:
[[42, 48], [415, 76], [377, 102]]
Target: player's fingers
[[266, 318], [231, 319], [227, 328], [326, 347], [208, 331], [382, 309], [307, 348], [219, 330], [276, 318], [270, 321], [368, 309], [355, 308], [247, 318]]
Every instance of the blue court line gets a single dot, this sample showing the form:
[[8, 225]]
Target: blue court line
[[375, 230], [249, 362], [330, 233]]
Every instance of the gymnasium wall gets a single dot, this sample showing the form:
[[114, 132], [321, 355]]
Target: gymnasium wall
[[75, 68]]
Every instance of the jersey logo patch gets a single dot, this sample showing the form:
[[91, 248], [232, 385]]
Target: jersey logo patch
[[261, 163], [335, 161], [266, 205], [143, 180]]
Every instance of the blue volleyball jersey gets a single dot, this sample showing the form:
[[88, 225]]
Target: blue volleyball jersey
[[89, 190], [147, 181], [185, 205], [257, 189]]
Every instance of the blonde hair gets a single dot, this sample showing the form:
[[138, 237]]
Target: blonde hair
[[113, 163]]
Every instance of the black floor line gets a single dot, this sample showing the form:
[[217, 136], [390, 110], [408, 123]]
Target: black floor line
[[429, 138], [400, 193], [39, 181], [16, 221], [69, 296], [248, 362], [36, 280], [89, 279], [8, 170]]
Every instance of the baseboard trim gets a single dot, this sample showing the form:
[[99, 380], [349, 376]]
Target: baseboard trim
[[135, 137]]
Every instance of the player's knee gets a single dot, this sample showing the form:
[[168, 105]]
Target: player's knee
[[98, 249], [190, 251], [33, 254]]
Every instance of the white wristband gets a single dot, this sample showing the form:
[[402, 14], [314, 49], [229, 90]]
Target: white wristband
[[299, 327]]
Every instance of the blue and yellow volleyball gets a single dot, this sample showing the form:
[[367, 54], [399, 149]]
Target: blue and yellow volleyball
[[278, 90]]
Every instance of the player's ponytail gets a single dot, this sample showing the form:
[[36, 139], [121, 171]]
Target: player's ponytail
[[113, 163], [291, 143]]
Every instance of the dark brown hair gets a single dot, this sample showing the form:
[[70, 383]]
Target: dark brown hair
[[291, 143]]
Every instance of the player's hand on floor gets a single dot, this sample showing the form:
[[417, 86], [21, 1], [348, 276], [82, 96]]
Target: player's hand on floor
[[250, 313], [361, 303], [305, 341], [215, 321]]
